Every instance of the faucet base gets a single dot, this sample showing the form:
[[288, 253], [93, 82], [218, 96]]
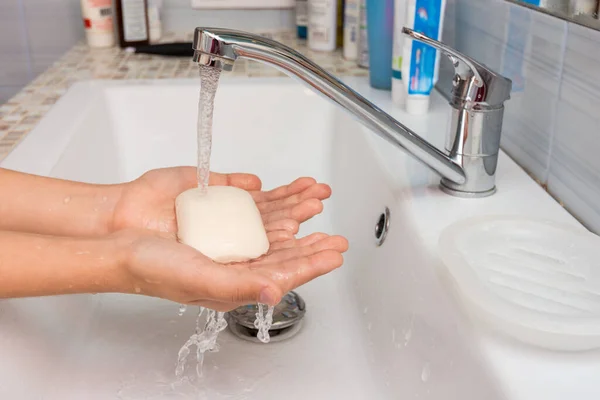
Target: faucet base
[[467, 195]]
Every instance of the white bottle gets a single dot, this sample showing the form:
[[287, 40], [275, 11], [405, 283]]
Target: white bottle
[[154, 23], [363, 43], [98, 22], [351, 19], [301, 18], [322, 24]]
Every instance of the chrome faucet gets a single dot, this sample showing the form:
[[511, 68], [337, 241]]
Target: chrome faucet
[[477, 100]]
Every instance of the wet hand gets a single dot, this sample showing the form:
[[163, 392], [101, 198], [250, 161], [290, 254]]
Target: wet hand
[[149, 201], [158, 266]]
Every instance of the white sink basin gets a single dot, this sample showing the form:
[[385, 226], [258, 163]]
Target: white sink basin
[[384, 326]]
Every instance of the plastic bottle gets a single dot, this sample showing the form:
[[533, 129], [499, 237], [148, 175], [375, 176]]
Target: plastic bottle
[[322, 24], [154, 23], [380, 27], [302, 18], [398, 93], [363, 42], [420, 61], [340, 23], [98, 22], [351, 19]]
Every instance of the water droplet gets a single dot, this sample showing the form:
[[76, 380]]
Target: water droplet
[[426, 372], [407, 337], [366, 310], [67, 199], [370, 325], [138, 289], [408, 331], [182, 309]]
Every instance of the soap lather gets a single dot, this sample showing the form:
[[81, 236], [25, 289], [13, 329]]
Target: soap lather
[[223, 223]]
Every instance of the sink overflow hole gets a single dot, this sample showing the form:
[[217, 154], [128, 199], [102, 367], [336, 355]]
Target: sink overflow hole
[[382, 226]]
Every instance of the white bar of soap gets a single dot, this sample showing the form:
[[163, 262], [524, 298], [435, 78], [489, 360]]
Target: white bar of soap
[[224, 224]]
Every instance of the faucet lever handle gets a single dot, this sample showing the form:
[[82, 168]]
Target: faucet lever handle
[[474, 84]]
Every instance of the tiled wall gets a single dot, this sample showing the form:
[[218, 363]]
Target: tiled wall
[[552, 122], [35, 33]]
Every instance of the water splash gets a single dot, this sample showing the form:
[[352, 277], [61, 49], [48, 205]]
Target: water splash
[[182, 308], [204, 340], [263, 323]]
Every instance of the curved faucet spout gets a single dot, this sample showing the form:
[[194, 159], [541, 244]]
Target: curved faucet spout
[[477, 105], [217, 47]]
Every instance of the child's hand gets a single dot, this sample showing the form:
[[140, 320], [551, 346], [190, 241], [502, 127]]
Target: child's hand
[[155, 265], [149, 201]]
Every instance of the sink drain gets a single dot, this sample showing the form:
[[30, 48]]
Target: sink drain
[[382, 226], [287, 319]]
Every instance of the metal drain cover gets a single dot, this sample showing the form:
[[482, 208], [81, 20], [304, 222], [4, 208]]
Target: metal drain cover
[[287, 316], [276, 336]]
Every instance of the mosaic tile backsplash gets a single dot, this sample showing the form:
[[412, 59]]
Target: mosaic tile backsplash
[[36, 33], [21, 113], [552, 122]]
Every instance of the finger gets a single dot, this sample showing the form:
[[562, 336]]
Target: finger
[[305, 241], [224, 284], [289, 225], [319, 191], [279, 236], [296, 186], [300, 212], [336, 243], [242, 181], [298, 271]]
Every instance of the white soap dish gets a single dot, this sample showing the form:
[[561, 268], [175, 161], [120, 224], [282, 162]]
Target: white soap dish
[[536, 280]]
